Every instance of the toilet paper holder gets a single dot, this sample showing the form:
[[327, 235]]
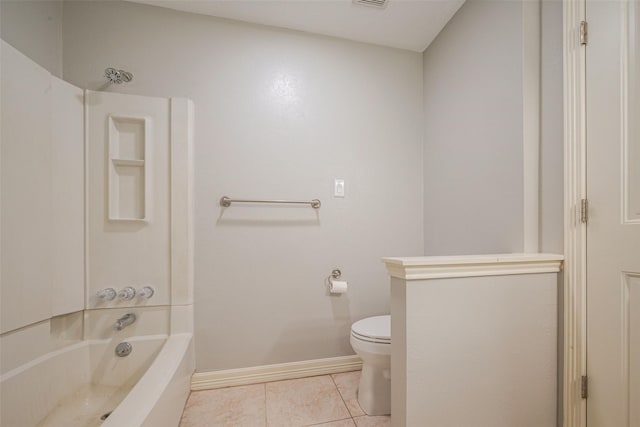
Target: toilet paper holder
[[336, 286]]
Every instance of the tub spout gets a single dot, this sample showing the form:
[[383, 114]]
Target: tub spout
[[125, 321]]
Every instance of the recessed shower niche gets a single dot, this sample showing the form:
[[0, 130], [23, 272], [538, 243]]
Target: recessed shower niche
[[129, 174]]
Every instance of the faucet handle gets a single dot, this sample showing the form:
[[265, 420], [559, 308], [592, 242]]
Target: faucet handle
[[146, 292], [106, 294], [127, 293]]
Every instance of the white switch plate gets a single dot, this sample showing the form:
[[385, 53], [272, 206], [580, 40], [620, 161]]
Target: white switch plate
[[338, 188]]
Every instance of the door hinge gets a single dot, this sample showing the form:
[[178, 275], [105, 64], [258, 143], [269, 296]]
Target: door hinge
[[584, 32], [584, 211], [584, 387]]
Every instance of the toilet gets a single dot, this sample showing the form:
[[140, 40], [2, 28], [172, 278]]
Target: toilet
[[371, 340]]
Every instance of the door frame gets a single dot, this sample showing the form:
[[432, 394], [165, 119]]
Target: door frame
[[575, 232]]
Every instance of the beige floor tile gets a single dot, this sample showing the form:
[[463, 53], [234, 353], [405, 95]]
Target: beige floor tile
[[367, 421], [304, 402], [234, 406], [347, 383], [342, 423]]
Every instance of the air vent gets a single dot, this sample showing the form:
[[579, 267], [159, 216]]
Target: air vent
[[380, 4]]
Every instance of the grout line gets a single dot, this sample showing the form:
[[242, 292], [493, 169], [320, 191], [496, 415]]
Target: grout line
[[328, 422], [342, 397]]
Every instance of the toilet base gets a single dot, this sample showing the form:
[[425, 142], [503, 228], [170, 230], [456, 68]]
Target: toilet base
[[374, 391]]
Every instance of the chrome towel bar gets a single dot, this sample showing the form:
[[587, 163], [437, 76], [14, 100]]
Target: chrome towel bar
[[226, 202]]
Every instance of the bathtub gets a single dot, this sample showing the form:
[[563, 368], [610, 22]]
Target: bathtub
[[158, 398], [85, 384]]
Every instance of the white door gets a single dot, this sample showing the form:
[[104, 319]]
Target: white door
[[613, 231]]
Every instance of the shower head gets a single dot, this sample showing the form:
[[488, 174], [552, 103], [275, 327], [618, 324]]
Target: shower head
[[118, 76]]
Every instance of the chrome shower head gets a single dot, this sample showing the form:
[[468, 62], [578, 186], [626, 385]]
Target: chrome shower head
[[118, 76]]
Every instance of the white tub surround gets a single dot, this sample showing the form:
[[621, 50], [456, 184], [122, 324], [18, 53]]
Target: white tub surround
[[42, 201], [474, 340], [105, 209]]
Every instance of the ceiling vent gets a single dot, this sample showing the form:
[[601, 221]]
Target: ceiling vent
[[380, 4]]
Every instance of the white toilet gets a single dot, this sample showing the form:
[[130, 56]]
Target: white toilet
[[371, 340]]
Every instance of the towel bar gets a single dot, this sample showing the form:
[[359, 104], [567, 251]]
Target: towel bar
[[226, 202]]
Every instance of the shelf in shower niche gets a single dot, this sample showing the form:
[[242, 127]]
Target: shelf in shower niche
[[129, 172], [128, 162]]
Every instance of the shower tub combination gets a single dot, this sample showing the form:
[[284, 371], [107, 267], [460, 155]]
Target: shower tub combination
[[87, 384], [125, 223]]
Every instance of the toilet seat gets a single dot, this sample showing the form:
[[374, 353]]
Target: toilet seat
[[373, 329]]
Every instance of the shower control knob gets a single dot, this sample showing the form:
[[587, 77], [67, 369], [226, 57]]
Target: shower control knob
[[127, 293], [107, 294], [146, 292]]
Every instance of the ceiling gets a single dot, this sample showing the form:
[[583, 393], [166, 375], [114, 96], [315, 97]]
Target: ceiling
[[404, 24]]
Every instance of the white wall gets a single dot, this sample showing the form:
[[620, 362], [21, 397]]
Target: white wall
[[473, 95], [34, 27], [473, 132], [552, 130], [278, 114]]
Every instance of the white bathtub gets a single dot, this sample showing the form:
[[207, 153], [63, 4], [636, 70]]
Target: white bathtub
[[158, 398], [76, 385]]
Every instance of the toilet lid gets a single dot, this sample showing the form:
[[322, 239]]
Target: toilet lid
[[376, 329]]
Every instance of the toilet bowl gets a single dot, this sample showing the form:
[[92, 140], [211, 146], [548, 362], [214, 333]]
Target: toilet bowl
[[371, 340]]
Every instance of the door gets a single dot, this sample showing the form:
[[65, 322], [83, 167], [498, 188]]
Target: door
[[613, 231]]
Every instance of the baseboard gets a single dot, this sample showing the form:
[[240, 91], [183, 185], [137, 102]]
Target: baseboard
[[283, 371]]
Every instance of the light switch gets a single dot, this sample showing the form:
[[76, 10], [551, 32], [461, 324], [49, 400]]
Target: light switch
[[338, 188]]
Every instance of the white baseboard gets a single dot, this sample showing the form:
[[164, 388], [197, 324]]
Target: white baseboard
[[283, 371]]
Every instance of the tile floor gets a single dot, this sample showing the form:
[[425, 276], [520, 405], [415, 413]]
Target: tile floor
[[328, 400]]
